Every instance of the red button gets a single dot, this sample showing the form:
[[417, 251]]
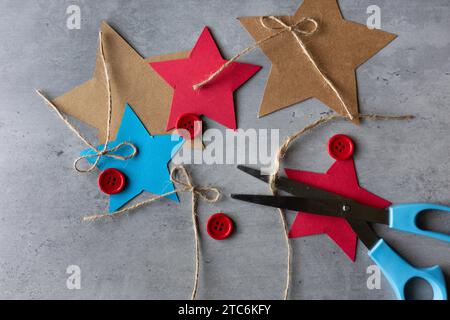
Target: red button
[[111, 181], [341, 147], [219, 226], [191, 123]]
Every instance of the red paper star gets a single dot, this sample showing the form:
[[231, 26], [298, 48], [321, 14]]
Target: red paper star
[[341, 179], [215, 99]]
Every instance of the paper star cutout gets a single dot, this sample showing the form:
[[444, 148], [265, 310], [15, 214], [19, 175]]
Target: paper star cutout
[[214, 100], [339, 47], [341, 179], [147, 171], [132, 81]]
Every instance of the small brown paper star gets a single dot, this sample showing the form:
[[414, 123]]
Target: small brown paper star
[[132, 81], [337, 47]]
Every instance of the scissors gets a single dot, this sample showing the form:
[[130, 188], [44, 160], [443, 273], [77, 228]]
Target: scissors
[[400, 217]]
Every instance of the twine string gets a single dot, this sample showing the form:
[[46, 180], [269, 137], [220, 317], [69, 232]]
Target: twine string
[[291, 28], [255, 45], [105, 151], [184, 179], [281, 153], [180, 176], [207, 194], [296, 30]]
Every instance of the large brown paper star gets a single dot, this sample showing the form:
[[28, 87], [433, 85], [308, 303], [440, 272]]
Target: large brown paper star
[[338, 47], [132, 81]]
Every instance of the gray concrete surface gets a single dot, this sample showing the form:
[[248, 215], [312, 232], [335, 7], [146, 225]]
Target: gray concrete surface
[[149, 255]]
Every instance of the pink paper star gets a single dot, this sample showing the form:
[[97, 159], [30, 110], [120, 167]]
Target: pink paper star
[[341, 179], [215, 99]]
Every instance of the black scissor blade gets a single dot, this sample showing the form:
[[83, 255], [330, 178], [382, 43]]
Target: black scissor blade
[[254, 173], [326, 207], [293, 187], [322, 207], [303, 190], [364, 233]]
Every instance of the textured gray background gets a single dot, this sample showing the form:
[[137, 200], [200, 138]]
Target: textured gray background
[[149, 255]]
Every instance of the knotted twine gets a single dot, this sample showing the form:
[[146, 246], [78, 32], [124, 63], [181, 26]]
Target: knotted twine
[[104, 151], [281, 153], [296, 31], [207, 194]]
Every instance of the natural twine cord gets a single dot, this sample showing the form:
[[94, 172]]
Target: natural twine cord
[[295, 30], [281, 153], [207, 194], [105, 151], [257, 44]]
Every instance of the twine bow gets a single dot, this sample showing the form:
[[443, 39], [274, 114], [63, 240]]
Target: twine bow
[[105, 152], [180, 176], [207, 194], [294, 28]]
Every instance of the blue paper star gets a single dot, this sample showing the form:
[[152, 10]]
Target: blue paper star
[[147, 170]]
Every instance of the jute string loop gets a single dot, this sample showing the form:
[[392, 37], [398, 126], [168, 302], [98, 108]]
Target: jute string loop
[[105, 151], [180, 176], [291, 28], [296, 30], [281, 153]]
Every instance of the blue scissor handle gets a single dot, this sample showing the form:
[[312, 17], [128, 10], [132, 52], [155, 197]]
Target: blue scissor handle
[[399, 272], [403, 217]]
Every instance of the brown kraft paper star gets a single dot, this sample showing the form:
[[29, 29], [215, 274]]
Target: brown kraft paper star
[[132, 81], [337, 46]]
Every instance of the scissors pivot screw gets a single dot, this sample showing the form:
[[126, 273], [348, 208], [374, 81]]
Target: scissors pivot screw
[[346, 208]]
